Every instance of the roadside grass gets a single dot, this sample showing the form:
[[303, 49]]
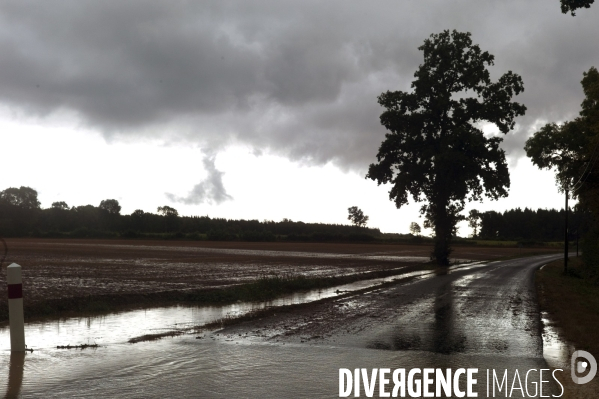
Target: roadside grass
[[155, 337], [82, 347], [571, 301], [274, 286]]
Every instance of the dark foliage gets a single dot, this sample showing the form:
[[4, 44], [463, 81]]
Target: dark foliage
[[356, 216], [590, 253], [105, 221], [22, 197], [434, 151], [530, 226], [573, 5], [110, 206], [572, 150]]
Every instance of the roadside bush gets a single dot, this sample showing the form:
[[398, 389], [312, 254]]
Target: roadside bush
[[590, 253]]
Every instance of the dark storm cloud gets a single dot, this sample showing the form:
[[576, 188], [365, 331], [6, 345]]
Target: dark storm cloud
[[297, 78], [210, 190]]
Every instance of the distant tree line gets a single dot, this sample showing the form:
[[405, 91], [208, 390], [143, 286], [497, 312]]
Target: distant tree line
[[529, 225], [22, 216]]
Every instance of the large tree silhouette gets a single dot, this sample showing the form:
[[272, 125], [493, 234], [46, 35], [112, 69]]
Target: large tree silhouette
[[435, 150]]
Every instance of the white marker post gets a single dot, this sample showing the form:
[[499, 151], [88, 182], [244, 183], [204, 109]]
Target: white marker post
[[15, 308]]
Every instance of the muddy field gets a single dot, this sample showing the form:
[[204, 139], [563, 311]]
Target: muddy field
[[58, 269]]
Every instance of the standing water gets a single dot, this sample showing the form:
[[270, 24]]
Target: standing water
[[119, 369], [206, 368], [121, 327]]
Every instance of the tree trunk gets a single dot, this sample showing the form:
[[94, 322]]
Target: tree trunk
[[443, 230]]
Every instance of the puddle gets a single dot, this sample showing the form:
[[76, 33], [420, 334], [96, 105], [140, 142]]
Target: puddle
[[556, 350], [557, 353]]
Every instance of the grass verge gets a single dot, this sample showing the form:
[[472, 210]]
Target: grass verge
[[84, 346], [571, 301], [154, 337]]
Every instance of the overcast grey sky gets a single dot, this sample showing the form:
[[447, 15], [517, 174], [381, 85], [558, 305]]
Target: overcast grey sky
[[295, 79]]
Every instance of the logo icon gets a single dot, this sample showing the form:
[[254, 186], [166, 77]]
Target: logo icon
[[578, 366]]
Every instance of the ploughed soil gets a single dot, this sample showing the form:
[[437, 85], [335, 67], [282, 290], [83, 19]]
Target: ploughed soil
[[60, 273]]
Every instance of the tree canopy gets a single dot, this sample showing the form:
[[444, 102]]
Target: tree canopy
[[110, 206], [60, 205], [23, 197], [560, 148], [167, 211], [435, 151], [571, 149], [531, 225], [474, 221], [356, 216], [415, 229], [573, 5]]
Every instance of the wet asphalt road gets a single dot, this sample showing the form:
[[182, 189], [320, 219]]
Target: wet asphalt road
[[483, 316], [484, 309]]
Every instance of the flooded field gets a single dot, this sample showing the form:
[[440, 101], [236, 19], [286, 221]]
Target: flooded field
[[78, 268], [81, 268], [477, 315], [120, 327]]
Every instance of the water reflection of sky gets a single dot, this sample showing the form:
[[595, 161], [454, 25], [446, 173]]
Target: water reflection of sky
[[120, 327], [185, 366]]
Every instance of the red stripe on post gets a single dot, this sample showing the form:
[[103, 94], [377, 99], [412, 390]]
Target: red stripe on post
[[15, 291]]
